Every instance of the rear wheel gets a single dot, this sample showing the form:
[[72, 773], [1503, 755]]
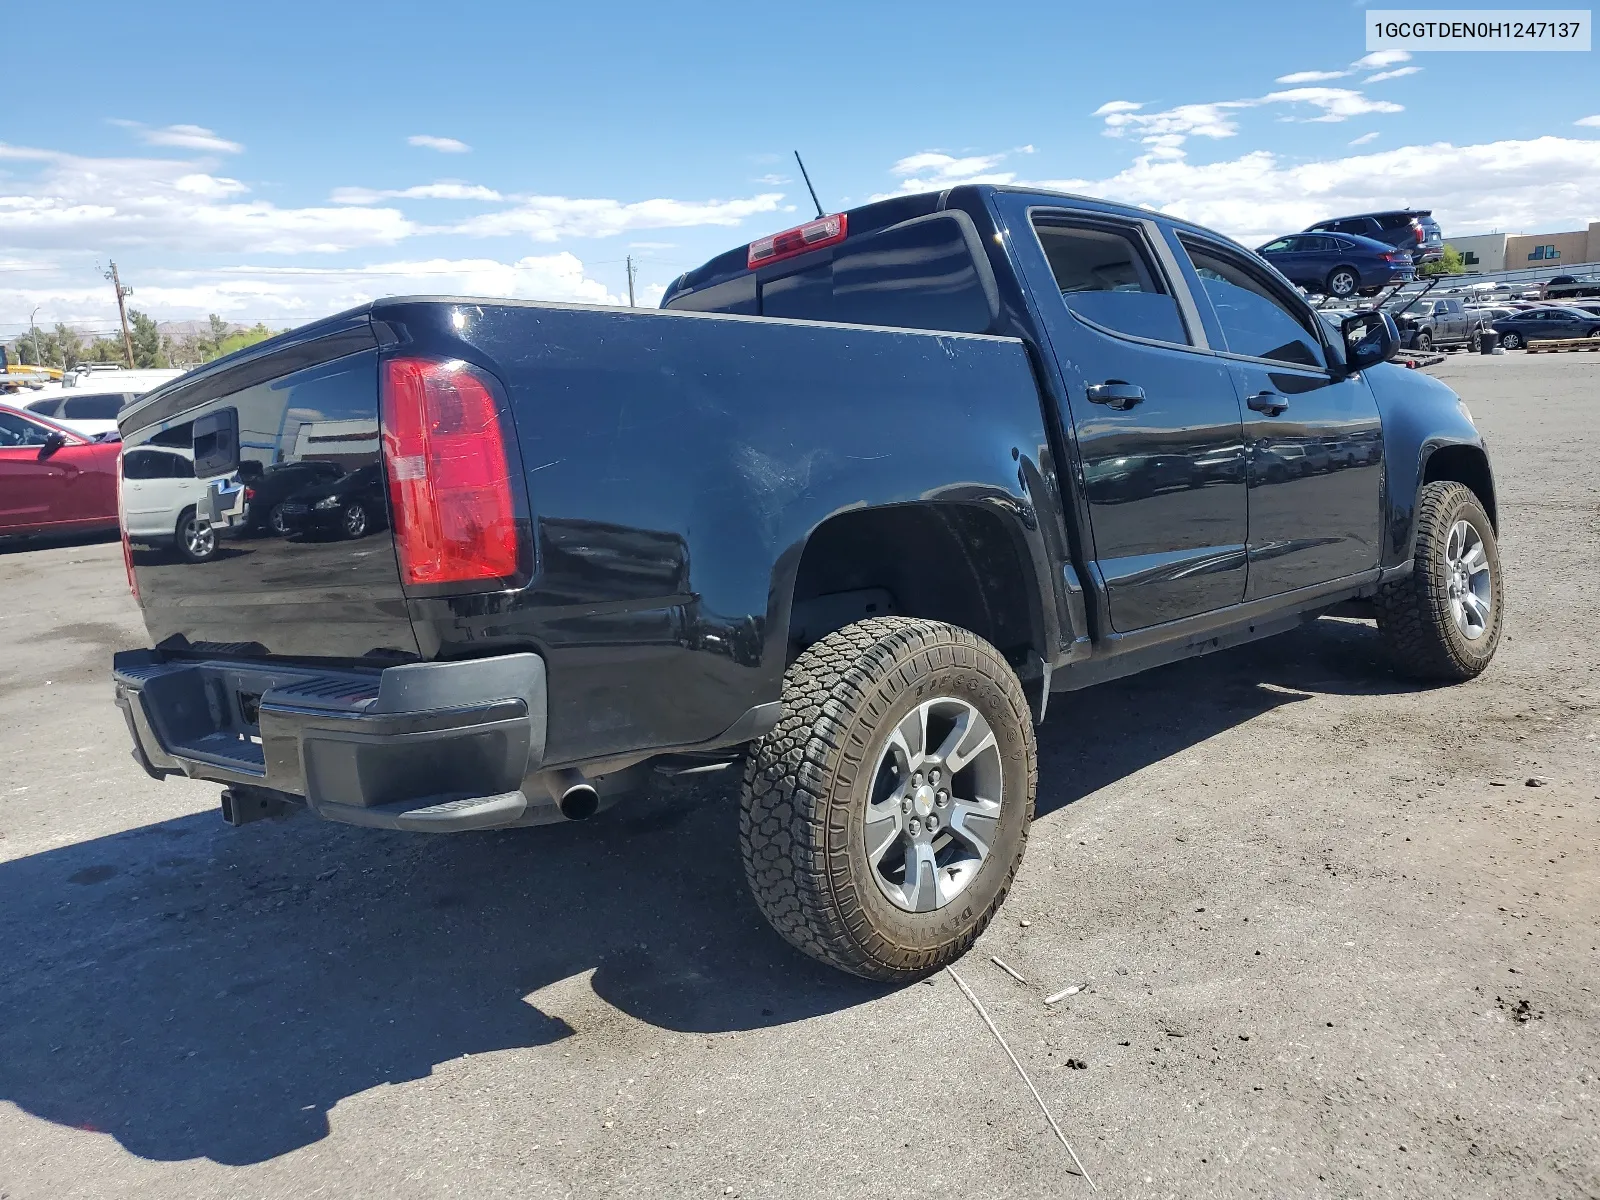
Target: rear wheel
[[1442, 622], [1476, 343], [194, 538], [1511, 341], [1594, 333], [1342, 283], [884, 818]]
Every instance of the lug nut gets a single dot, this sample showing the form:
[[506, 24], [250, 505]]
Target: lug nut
[[933, 777], [933, 822], [942, 799], [916, 780], [905, 805], [916, 827]]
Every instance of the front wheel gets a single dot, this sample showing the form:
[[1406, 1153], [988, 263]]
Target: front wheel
[[884, 818], [1511, 341], [354, 521], [1342, 283], [194, 538], [1442, 622], [1424, 340]]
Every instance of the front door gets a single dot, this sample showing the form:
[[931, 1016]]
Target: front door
[[1315, 439], [1155, 414], [30, 484]]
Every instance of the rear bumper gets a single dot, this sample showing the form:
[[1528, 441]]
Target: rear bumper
[[424, 746]]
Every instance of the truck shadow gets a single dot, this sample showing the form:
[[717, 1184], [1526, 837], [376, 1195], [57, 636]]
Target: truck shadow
[[195, 991]]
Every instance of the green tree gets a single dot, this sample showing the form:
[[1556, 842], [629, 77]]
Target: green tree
[[1447, 264], [104, 350], [149, 347], [245, 337], [69, 345], [211, 341]]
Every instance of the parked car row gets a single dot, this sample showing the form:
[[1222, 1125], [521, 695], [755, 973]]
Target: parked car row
[[1549, 321], [1357, 256]]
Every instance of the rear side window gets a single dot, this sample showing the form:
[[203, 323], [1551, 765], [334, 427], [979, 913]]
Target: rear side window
[[1395, 221], [156, 464], [46, 408], [1106, 276], [921, 274], [93, 408], [1255, 318]]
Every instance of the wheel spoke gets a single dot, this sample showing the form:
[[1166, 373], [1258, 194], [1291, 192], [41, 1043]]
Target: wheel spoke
[[910, 738], [922, 890], [1474, 560], [883, 827], [975, 822], [1477, 610], [970, 738]]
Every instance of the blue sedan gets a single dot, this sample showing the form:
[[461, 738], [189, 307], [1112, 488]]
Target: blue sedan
[[1338, 264]]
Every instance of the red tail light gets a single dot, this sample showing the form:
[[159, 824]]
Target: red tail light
[[1417, 229], [122, 526], [813, 235], [450, 474]]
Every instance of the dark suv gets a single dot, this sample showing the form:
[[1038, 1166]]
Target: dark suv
[[1410, 229]]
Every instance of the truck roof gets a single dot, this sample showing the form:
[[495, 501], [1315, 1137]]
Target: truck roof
[[882, 213]]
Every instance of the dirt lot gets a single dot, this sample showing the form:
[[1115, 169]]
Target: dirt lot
[[1336, 942]]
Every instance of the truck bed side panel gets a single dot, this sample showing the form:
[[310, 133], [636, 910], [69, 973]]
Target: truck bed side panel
[[676, 464]]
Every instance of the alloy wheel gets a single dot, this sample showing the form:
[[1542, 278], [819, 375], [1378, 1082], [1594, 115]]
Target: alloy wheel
[[199, 538], [355, 521], [934, 809], [1468, 582]]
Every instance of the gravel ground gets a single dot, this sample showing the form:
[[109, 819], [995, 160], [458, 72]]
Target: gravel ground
[[1335, 941]]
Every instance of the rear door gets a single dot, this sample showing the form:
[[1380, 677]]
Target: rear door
[[302, 596], [1315, 440], [1155, 415]]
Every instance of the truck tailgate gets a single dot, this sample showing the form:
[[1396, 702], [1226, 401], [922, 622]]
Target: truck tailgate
[[331, 587]]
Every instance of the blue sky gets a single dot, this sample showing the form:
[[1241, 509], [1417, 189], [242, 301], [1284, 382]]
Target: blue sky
[[272, 162]]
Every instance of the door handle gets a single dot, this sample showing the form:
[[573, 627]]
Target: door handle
[[1270, 403], [1114, 393]]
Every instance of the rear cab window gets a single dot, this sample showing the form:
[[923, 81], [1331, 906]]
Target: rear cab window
[[924, 273]]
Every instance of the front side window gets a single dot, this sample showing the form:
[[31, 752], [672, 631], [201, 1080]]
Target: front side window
[[1280, 246], [1256, 319], [1106, 275], [19, 431]]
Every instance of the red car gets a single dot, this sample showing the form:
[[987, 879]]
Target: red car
[[53, 480]]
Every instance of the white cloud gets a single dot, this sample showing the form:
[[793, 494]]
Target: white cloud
[[446, 189], [183, 137], [1591, 122], [100, 204], [1364, 138], [548, 218], [773, 180], [1538, 183], [1116, 106], [292, 295], [1397, 73], [445, 145], [1310, 76], [1337, 104], [211, 186], [1379, 59]]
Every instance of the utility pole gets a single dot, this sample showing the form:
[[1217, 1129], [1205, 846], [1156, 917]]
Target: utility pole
[[122, 309], [630, 280]]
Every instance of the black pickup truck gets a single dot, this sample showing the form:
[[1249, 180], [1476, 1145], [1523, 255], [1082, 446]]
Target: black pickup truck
[[846, 512]]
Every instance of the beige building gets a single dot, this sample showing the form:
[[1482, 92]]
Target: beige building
[[1489, 252]]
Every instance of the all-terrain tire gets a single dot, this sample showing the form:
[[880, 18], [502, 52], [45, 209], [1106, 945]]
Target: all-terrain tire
[[807, 783], [1414, 613]]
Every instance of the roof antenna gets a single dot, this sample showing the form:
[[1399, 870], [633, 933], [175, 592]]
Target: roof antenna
[[807, 178]]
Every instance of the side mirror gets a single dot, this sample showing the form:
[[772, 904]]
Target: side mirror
[[1370, 338], [53, 441]]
